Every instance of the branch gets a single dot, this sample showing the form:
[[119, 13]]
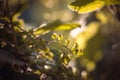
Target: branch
[[12, 27]]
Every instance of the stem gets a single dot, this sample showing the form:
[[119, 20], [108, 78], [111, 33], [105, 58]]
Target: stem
[[14, 34], [12, 28]]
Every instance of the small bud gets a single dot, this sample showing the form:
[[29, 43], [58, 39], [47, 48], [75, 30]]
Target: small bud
[[62, 55], [84, 74], [66, 61], [67, 42], [80, 52], [60, 37], [1, 25], [3, 44], [76, 45], [54, 36]]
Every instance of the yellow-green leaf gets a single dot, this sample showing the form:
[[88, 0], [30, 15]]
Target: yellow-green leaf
[[85, 6], [56, 25]]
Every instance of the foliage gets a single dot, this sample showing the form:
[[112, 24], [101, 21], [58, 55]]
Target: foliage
[[39, 55], [25, 51]]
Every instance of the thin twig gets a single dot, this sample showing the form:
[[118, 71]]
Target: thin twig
[[27, 39], [17, 5]]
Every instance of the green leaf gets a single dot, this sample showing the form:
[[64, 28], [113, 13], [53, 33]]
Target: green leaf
[[61, 52], [85, 6], [56, 25], [59, 47]]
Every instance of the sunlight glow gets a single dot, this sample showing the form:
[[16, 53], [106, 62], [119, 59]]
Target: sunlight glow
[[76, 31], [50, 3], [90, 66]]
